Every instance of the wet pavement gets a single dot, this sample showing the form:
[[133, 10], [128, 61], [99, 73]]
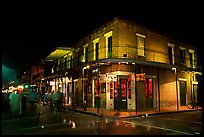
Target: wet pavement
[[132, 113], [34, 118], [40, 109]]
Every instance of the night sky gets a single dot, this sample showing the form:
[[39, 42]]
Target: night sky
[[31, 31]]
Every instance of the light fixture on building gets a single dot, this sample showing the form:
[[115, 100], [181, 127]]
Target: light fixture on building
[[174, 68]]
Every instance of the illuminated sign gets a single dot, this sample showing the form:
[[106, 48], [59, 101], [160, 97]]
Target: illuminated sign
[[52, 83], [20, 88], [140, 77]]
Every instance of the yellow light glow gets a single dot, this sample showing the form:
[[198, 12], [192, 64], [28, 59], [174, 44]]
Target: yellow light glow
[[59, 52]]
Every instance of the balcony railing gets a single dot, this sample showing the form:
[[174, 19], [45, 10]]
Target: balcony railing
[[125, 51]]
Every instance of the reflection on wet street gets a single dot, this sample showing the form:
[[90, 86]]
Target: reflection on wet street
[[42, 121]]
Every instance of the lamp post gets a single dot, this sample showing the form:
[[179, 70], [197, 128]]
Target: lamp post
[[192, 90], [135, 87], [159, 101], [177, 104], [83, 104], [98, 98]]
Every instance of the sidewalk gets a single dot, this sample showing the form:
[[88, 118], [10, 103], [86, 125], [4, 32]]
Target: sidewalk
[[132, 113], [102, 112]]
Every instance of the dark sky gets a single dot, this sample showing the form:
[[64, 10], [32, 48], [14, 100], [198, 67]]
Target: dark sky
[[31, 31]]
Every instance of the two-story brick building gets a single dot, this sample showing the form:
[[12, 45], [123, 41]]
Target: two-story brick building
[[124, 65]]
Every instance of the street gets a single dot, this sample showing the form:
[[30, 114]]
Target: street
[[43, 122]]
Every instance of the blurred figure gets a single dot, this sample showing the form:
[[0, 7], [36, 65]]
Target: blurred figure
[[24, 100], [33, 98], [56, 102], [14, 98], [46, 98], [61, 101]]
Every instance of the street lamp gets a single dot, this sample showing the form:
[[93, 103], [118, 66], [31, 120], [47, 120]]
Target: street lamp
[[177, 104], [135, 87]]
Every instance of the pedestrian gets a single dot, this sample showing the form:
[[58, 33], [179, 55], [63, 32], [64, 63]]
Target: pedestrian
[[14, 98], [56, 102], [51, 100], [33, 98], [61, 101], [47, 98], [24, 101]]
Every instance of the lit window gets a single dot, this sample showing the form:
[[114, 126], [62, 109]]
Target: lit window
[[85, 56], [140, 44], [171, 53], [96, 48], [192, 58], [108, 44], [182, 54]]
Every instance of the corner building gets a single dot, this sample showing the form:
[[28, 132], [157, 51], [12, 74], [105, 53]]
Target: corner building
[[126, 66]]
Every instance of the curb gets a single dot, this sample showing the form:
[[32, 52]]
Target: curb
[[138, 115], [160, 113], [91, 113]]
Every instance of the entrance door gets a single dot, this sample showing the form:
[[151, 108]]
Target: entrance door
[[123, 90], [149, 93], [120, 94], [182, 93], [116, 106], [85, 91], [195, 93], [76, 93]]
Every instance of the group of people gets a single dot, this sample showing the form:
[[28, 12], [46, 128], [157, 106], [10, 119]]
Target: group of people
[[55, 99], [17, 101]]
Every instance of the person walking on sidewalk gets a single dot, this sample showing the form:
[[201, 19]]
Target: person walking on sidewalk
[[14, 99]]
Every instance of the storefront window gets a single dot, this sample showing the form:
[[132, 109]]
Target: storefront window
[[129, 87], [103, 87], [148, 88], [123, 88], [115, 89], [96, 88], [111, 89]]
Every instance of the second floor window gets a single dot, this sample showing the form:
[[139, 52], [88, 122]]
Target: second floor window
[[192, 58], [110, 47], [65, 62], [85, 56], [140, 44], [96, 48], [109, 44], [182, 55], [71, 61], [171, 53], [78, 58]]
